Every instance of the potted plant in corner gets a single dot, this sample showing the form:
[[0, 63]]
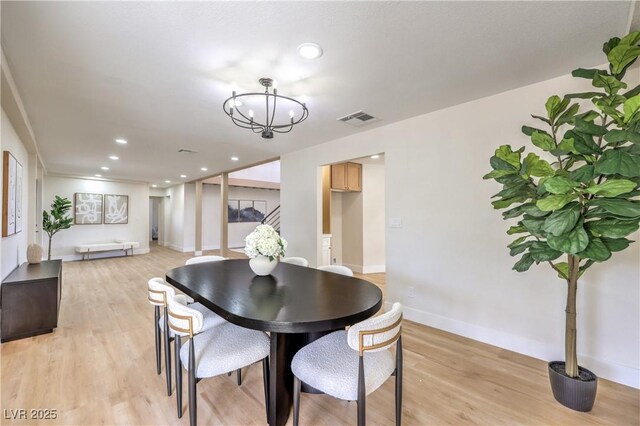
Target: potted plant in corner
[[577, 208], [57, 220]]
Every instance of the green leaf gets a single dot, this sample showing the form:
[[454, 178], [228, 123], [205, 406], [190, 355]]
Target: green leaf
[[563, 220], [501, 204], [571, 242], [543, 141], [555, 106], [613, 42], [616, 244], [541, 252], [631, 108], [518, 229], [567, 146], [529, 130], [564, 270], [533, 210], [524, 263], [498, 173], [582, 174], [517, 249], [567, 116], [610, 84], [621, 56], [585, 73], [582, 143], [559, 185], [589, 127], [535, 166], [517, 241], [631, 39], [616, 161], [555, 202], [514, 212], [631, 93], [615, 136], [613, 228], [596, 250], [612, 187], [619, 207], [498, 164], [533, 225], [583, 95], [511, 157]]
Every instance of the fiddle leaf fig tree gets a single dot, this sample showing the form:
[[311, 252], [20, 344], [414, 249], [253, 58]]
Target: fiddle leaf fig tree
[[577, 200], [57, 220]]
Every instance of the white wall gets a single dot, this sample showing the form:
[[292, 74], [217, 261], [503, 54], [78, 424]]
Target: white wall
[[336, 227], [64, 242], [373, 223], [452, 245], [14, 247], [352, 230], [183, 201]]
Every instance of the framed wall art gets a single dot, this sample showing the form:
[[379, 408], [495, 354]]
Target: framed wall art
[[11, 195], [116, 209], [88, 208]]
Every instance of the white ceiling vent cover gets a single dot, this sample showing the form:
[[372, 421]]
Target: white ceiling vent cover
[[187, 151], [358, 119]]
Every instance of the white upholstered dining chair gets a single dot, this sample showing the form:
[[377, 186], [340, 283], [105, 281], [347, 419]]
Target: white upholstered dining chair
[[214, 352], [351, 364], [300, 261], [204, 259], [159, 294], [336, 269]]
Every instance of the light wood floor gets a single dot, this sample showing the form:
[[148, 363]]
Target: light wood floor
[[99, 368]]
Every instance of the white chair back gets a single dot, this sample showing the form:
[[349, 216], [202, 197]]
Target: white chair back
[[183, 320], [203, 259], [160, 292], [377, 333], [300, 261], [337, 269]]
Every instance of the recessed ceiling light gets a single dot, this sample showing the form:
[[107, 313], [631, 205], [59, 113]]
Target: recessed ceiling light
[[204, 169], [114, 157], [310, 50], [122, 141], [234, 158], [98, 175], [183, 176], [154, 186], [167, 181], [375, 157], [104, 168]]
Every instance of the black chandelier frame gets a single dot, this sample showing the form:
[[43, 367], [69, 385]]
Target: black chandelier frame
[[271, 101]]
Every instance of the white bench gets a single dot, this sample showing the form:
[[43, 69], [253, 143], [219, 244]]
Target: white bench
[[87, 249]]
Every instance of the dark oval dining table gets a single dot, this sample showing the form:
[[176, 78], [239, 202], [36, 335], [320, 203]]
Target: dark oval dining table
[[295, 304]]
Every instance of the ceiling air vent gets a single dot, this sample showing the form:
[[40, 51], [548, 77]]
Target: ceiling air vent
[[187, 151], [358, 119]]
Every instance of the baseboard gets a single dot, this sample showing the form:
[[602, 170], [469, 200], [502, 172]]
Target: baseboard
[[623, 374], [373, 269], [354, 268]]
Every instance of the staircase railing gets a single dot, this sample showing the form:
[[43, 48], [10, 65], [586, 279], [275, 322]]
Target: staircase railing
[[273, 219]]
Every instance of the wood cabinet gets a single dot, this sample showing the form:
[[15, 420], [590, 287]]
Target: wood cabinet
[[346, 177], [30, 300]]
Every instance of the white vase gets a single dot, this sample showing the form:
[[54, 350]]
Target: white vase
[[262, 266]]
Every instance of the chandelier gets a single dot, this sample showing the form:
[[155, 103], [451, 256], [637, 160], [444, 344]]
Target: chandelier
[[242, 110]]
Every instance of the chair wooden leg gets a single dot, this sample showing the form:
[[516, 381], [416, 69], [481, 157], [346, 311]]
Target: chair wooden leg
[[156, 327], [296, 400], [167, 352], [265, 381], [193, 405], [362, 394], [239, 376], [399, 382], [177, 343]]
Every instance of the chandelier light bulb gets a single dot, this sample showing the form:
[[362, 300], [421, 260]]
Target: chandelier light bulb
[[291, 113], [251, 113]]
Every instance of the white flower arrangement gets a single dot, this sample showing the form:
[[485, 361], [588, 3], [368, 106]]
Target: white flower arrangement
[[265, 241]]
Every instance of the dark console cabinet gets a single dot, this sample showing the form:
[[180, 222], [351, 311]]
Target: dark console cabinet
[[30, 300]]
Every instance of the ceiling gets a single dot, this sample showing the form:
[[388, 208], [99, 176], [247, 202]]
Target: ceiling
[[157, 73]]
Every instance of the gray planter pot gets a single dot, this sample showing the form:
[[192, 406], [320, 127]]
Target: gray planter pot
[[576, 393]]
